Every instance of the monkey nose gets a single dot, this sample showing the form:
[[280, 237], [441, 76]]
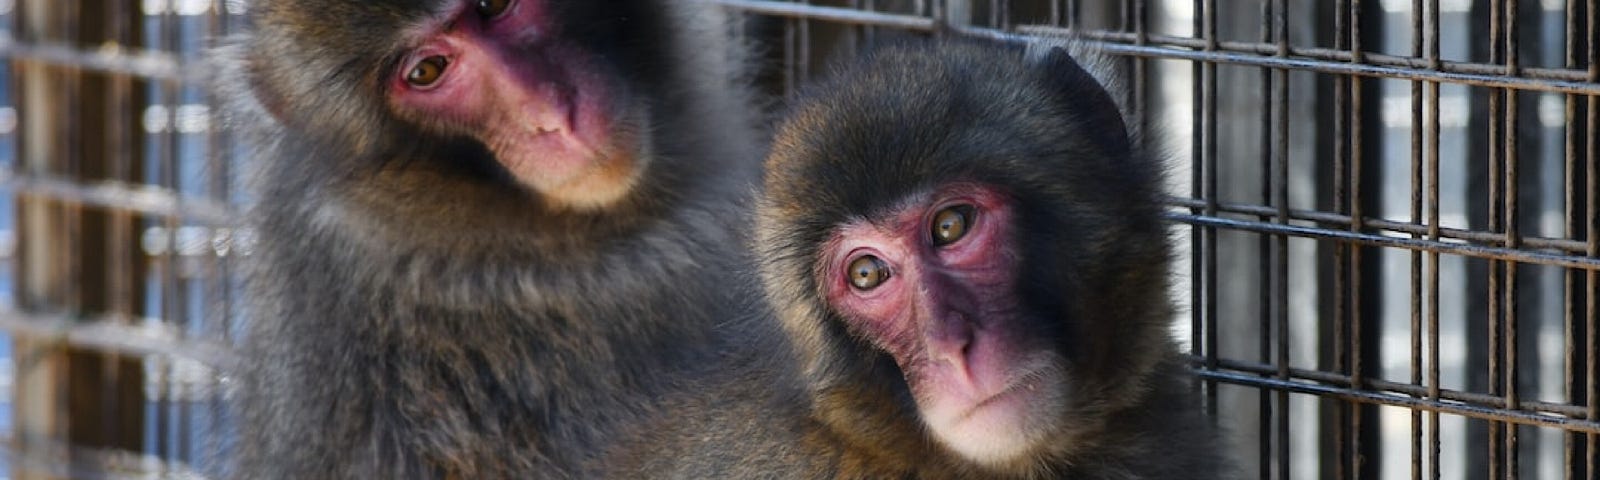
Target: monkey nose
[[949, 337]]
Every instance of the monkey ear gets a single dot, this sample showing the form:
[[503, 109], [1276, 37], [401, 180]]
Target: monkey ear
[[1087, 100]]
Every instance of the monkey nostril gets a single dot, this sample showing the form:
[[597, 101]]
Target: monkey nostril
[[951, 337]]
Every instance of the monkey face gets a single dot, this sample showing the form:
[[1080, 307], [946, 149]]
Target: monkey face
[[499, 70], [962, 246], [553, 91], [933, 283]]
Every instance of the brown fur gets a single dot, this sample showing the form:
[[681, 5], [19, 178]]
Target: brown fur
[[906, 118]]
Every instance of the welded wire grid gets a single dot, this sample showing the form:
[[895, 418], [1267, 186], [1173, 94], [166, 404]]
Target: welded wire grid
[[1386, 212], [116, 231]]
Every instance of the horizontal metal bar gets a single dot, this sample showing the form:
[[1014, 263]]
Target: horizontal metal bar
[[1343, 222], [55, 459], [831, 14], [1462, 249], [1251, 54], [117, 334], [1384, 398], [1327, 60], [137, 198], [1359, 69], [1342, 380], [112, 59]]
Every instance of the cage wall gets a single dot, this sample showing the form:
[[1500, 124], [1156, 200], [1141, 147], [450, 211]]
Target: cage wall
[[1387, 214]]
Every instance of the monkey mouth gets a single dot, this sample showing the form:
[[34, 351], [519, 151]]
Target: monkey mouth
[[998, 427], [1018, 389], [1028, 382]]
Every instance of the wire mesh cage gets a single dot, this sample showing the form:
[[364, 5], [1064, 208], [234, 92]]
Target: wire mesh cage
[[1387, 211], [118, 239]]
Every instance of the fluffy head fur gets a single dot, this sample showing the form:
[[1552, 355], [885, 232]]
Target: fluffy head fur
[[908, 118]]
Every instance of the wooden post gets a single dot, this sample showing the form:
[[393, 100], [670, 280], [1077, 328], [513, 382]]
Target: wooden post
[[72, 260]]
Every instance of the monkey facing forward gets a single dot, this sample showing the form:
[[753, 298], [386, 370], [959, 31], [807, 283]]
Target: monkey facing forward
[[965, 250], [490, 231]]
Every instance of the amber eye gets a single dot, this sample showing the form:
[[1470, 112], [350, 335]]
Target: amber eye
[[867, 272], [427, 72], [492, 8], [950, 224]]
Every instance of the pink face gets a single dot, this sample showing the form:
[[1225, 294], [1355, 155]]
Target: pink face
[[497, 70], [933, 284]]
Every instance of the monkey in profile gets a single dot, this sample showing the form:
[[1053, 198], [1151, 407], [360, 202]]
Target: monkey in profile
[[489, 231], [965, 249]]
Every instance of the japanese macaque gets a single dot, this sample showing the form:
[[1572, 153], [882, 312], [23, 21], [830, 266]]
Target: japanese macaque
[[965, 249], [489, 231]]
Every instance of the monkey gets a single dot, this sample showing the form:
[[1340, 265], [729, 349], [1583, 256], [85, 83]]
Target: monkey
[[487, 232], [965, 250]]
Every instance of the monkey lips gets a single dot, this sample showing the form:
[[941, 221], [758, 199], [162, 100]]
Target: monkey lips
[[933, 284], [555, 119]]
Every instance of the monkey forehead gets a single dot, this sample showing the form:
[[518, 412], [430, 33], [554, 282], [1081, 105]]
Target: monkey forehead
[[350, 25], [902, 120], [907, 216]]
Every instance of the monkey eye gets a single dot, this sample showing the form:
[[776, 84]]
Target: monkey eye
[[427, 72], [950, 224], [492, 8], [867, 272]]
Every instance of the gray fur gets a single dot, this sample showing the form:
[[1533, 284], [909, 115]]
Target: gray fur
[[411, 322]]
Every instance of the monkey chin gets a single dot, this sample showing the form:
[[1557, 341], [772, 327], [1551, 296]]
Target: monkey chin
[[580, 174], [1004, 429], [613, 176]]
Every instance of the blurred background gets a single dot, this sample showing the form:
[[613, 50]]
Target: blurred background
[[1387, 213]]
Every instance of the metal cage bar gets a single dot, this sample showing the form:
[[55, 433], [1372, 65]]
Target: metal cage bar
[[1359, 186]]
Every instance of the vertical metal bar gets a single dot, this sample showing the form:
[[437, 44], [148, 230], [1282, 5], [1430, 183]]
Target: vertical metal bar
[[176, 37], [1573, 287], [1136, 94], [1357, 224], [1209, 146], [803, 68], [791, 58], [1204, 184], [1416, 257], [1495, 206], [1280, 182], [1263, 248], [1509, 161], [73, 127], [1592, 305], [1433, 235], [1342, 146], [1196, 183], [172, 301], [218, 149], [42, 281]]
